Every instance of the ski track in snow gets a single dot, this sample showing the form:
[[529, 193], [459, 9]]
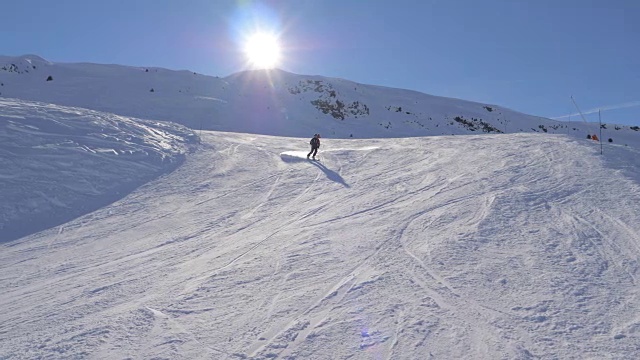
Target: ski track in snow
[[483, 247]]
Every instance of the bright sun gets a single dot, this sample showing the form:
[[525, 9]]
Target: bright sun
[[263, 50]]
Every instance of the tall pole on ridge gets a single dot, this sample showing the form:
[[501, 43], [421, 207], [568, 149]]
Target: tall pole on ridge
[[600, 121]]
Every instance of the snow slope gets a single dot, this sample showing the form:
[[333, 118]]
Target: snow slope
[[515, 246], [400, 246], [58, 162], [272, 102]]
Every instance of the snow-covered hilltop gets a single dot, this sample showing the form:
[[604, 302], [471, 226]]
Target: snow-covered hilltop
[[269, 102]]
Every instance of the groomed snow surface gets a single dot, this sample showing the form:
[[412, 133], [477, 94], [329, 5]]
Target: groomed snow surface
[[519, 246]]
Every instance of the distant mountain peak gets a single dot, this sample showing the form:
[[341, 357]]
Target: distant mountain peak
[[269, 101]]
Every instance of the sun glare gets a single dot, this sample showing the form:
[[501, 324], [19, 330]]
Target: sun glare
[[263, 50]]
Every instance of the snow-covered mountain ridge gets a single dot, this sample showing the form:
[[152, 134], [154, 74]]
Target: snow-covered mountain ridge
[[271, 102]]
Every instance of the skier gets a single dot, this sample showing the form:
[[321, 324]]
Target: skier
[[315, 145]]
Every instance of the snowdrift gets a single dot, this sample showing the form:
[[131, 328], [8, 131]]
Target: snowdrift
[[59, 162]]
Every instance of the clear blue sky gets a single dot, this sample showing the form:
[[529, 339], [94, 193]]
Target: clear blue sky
[[530, 55]]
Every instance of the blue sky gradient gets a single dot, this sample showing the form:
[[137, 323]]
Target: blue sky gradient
[[530, 56]]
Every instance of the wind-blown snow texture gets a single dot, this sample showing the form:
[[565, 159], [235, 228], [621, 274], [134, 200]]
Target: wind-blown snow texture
[[494, 246], [59, 162]]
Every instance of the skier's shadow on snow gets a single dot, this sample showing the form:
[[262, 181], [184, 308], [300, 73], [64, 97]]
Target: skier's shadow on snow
[[332, 175]]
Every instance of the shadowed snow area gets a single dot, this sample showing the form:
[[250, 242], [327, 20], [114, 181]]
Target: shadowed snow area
[[60, 162], [513, 246]]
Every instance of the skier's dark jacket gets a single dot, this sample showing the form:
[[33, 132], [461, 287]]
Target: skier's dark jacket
[[315, 142]]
